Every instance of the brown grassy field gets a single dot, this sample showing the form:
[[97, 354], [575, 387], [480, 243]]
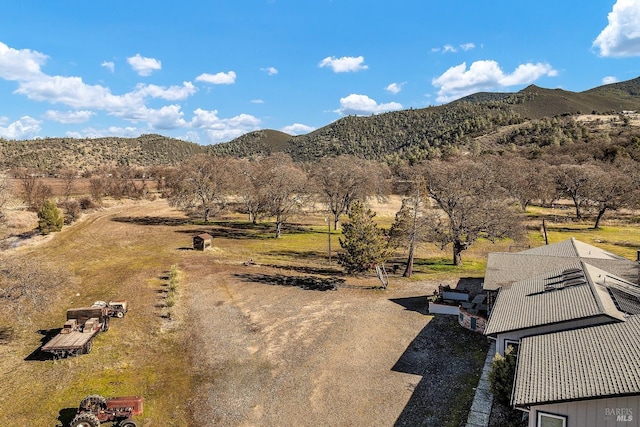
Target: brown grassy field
[[236, 350], [246, 344]]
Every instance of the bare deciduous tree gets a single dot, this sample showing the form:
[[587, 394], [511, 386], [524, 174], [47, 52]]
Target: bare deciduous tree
[[342, 180], [572, 181], [524, 180], [68, 178], [609, 188], [284, 187], [26, 284], [28, 181], [414, 222], [202, 185], [473, 204]]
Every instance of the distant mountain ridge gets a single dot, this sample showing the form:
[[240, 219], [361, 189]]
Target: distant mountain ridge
[[416, 134], [406, 135]]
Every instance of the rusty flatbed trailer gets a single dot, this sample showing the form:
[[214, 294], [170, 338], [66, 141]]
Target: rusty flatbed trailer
[[76, 337]]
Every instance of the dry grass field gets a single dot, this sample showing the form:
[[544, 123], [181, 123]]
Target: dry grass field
[[245, 345], [249, 345]]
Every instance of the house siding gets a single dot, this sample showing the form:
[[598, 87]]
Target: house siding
[[611, 412]]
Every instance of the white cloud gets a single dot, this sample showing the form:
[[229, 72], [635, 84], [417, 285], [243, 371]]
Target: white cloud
[[21, 64], [109, 65], [449, 48], [167, 117], [621, 37], [362, 104], [220, 130], [172, 93], [345, 64], [72, 91], [297, 129], [110, 131], [459, 81], [144, 66], [608, 80], [69, 117], [24, 128], [270, 70], [192, 136], [218, 79], [257, 101], [394, 88]]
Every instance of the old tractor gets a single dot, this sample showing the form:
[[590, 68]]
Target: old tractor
[[95, 409], [115, 308]]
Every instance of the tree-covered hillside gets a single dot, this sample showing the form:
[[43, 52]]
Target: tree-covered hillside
[[532, 121]]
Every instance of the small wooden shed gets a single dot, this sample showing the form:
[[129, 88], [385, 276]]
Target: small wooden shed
[[202, 241]]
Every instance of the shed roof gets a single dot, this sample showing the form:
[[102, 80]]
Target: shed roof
[[595, 362], [578, 291], [204, 236], [505, 268]]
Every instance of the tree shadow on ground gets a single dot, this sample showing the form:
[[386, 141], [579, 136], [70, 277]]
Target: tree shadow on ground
[[152, 220], [299, 254], [6, 334], [65, 416], [325, 271], [449, 358], [305, 282], [38, 354], [226, 232]]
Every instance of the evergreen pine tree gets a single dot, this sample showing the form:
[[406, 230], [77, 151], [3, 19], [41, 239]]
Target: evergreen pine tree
[[49, 218], [364, 244]]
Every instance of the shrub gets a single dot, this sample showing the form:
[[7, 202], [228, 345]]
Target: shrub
[[501, 375], [86, 203], [71, 211], [49, 218]]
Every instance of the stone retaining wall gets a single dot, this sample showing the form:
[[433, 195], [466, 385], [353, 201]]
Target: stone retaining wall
[[476, 325]]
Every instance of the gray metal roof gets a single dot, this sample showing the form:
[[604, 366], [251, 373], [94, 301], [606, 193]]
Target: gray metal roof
[[576, 291], [598, 361], [505, 268]]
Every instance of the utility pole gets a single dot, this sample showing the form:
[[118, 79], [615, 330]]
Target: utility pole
[[328, 221]]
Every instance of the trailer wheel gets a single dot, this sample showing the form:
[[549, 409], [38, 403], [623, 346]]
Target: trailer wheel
[[120, 314], [93, 403], [85, 420], [88, 346], [128, 423]]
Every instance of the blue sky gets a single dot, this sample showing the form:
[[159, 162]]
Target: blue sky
[[209, 71]]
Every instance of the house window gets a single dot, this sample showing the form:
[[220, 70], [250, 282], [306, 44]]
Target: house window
[[550, 420]]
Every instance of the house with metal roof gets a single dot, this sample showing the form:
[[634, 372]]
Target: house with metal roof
[[506, 268], [573, 311], [586, 377], [576, 296]]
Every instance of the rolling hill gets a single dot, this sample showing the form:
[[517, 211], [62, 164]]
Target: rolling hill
[[482, 122]]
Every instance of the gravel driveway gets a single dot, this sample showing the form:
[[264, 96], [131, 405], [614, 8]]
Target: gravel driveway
[[285, 356]]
